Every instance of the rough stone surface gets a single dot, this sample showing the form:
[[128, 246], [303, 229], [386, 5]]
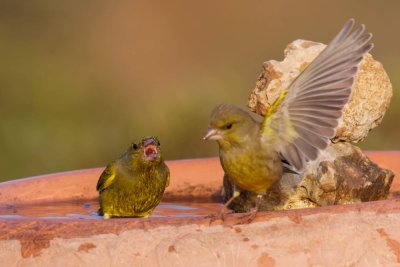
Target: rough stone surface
[[371, 95], [341, 175], [350, 235]]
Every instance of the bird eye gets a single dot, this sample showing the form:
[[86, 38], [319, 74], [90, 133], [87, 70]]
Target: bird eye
[[228, 126], [135, 146]]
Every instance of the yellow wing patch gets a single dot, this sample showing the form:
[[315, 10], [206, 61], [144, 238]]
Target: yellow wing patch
[[276, 125], [168, 179], [109, 180], [272, 109]]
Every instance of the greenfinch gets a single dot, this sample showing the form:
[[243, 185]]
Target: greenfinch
[[297, 126], [133, 184]]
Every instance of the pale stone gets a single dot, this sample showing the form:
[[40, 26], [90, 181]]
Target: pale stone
[[370, 99]]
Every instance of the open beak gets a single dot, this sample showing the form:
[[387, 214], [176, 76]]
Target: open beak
[[150, 149], [212, 134]]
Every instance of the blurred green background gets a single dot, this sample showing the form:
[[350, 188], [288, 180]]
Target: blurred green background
[[79, 80]]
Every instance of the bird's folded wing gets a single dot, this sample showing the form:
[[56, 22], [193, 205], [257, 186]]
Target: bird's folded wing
[[106, 178], [304, 118]]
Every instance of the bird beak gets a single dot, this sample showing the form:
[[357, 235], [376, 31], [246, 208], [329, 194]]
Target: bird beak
[[212, 134]]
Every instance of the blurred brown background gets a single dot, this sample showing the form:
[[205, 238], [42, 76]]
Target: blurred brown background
[[79, 80]]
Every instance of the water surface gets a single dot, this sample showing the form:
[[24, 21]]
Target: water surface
[[89, 210]]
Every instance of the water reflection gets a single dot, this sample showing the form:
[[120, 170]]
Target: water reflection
[[89, 210]]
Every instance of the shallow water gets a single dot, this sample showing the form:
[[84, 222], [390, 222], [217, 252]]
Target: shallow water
[[88, 210]]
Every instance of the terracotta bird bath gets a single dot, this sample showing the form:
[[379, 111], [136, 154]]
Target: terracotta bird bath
[[345, 235]]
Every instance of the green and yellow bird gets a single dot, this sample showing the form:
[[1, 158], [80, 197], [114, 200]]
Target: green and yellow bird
[[133, 184], [297, 126]]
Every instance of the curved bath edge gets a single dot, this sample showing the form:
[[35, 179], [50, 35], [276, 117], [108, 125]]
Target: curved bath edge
[[191, 179], [338, 235], [283, 235]]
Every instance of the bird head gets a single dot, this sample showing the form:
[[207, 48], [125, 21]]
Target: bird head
[[229, 124], [146, 150]]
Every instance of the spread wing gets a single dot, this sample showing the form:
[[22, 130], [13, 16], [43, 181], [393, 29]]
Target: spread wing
[[106, 178], [304, 118]]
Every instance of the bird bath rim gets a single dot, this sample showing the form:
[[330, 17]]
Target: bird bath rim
[[191, 180], [272, 237]]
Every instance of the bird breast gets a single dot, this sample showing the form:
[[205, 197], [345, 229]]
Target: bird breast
[[252, 168]]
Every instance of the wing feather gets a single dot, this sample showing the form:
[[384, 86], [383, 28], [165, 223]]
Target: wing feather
[[307, 116], [106, 178]]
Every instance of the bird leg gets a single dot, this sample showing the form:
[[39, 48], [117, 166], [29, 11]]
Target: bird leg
[[249, 216], [224, 210], [236, 193]]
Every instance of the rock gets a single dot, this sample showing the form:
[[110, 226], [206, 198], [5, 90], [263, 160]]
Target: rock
[[341, 175], [371, 95]]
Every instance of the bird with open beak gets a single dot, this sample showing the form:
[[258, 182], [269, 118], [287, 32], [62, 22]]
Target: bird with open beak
[[133, 184]]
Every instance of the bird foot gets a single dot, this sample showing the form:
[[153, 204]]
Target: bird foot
[[221, 215], [248, 217]]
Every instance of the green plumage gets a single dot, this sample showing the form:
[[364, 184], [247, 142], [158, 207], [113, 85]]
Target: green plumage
[[244, 158], [133, 184]]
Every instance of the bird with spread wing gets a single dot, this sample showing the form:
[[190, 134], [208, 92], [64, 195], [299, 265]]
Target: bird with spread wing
[[297, 126]]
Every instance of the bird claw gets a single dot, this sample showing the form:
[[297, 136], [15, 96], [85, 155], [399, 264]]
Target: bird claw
[[248, 217], [221, 215]]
